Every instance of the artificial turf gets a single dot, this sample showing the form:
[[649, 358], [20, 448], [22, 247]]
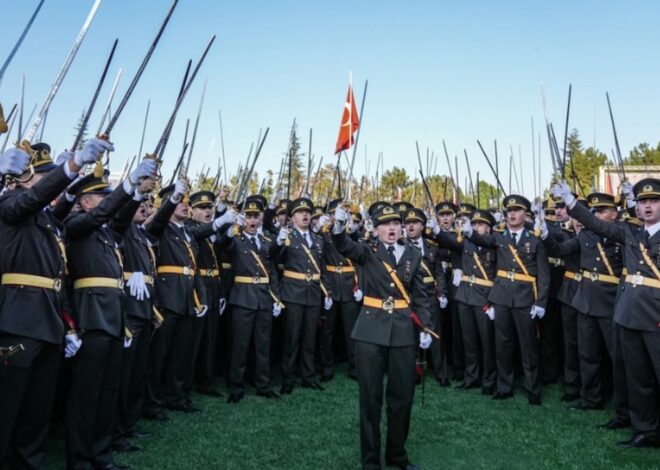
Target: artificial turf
[[319, 430]]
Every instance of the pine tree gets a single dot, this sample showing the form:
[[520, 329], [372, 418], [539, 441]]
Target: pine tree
[[79, 126]]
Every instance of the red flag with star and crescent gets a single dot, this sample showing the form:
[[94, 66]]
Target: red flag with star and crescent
[[350, 122]]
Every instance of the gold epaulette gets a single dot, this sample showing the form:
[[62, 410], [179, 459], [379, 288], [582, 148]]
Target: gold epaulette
[[269, 240], [432, 242]]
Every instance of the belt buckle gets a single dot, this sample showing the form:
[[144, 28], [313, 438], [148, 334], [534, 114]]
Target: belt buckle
[[340, 269], [388, 305], [120, 283], [578, 277], [511, 275], [637, 280], [209, 273], [472, 279], [57, 285], [186, 271], [593, 276], [308, 277], [255, 279]]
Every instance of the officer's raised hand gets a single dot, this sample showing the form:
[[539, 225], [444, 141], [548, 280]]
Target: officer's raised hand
[[14, 162], [91, 151], [563, 191]]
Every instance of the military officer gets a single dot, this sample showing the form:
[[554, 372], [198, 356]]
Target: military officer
[[519, 295], [303, 288], [384, 333], [254, 299], [32, 261], [96, 265], [636, 309]]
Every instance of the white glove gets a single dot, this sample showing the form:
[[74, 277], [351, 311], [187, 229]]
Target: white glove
[[127, 342], [228, 217], [341, 215], [275, 195], [627, 190], [91, 151], [64, 157], [562, 190], [72, 345], [14, 162], [282, 236], [467, 227], [456, 276], [277, 309], [137, 286], [536, 312], [542, 226], [497, 216], [433, 225], [443, 302], [490, 312], [223, 306], [327, 303], [424, 340], [260, 230], [180, 188], [145, 169], [358, 295], [324, 219], [202, 311], [240, 220]]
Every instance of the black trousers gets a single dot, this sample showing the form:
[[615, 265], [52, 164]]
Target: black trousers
[[206, 357], [550, 338], [439, 348], [593, 332], [349, 312], [192, 351], [620, 398], [569, 318], [250, 326], [373, 362], [27, 388], [300, 323], [96, 374], [641, 353], [509, 322], [168, 366], [133, 378], [479, 344], [457, 353]]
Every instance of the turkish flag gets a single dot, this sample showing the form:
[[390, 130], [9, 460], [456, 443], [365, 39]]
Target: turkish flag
[[350, 122]]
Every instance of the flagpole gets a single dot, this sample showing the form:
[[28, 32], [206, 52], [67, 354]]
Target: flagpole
[[357, 136], [350, 122]]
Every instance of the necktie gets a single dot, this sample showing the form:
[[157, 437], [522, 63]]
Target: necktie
[[390, 250], [309, 239], [514, 235], [253, 240]]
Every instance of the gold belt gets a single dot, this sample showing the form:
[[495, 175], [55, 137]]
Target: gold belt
[[301, 276], [89, 282], [226, 265], [209, 272], [514, 276], [250, 280], [428, 279], [639, 280], [477, 280], [340, 269], [389, 305], [599, 277], [185, 270], [147, 279], [572, 276], [32, 281], [556, 261]]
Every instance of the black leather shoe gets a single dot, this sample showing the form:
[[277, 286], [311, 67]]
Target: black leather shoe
[[502, 395], [405, 466], [140, 434], [235, 397], [313, 386], [124, 447], [269, 394], [286, 389], [615, 423], [156, 416], [327, 377], [210, 391], [583, 407], [444, 382], [533, 399], [488, 390], [568, 397], [639, 441], [352, 377]]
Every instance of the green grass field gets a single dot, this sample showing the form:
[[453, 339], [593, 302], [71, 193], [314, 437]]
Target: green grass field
[[319, 430]]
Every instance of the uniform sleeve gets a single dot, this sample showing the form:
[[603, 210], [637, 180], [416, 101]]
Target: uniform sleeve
[[561, 249], [542, 276], [488, 241], [421, 304], [357, 252], [606, 229], [81, 224], [160, 221]]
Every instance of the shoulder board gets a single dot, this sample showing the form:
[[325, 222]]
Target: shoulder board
[[635, 221], [431, 242], [268, 239]]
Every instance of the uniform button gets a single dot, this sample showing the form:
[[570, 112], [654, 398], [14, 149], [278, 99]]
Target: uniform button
[[391, 284], [597, 258]]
